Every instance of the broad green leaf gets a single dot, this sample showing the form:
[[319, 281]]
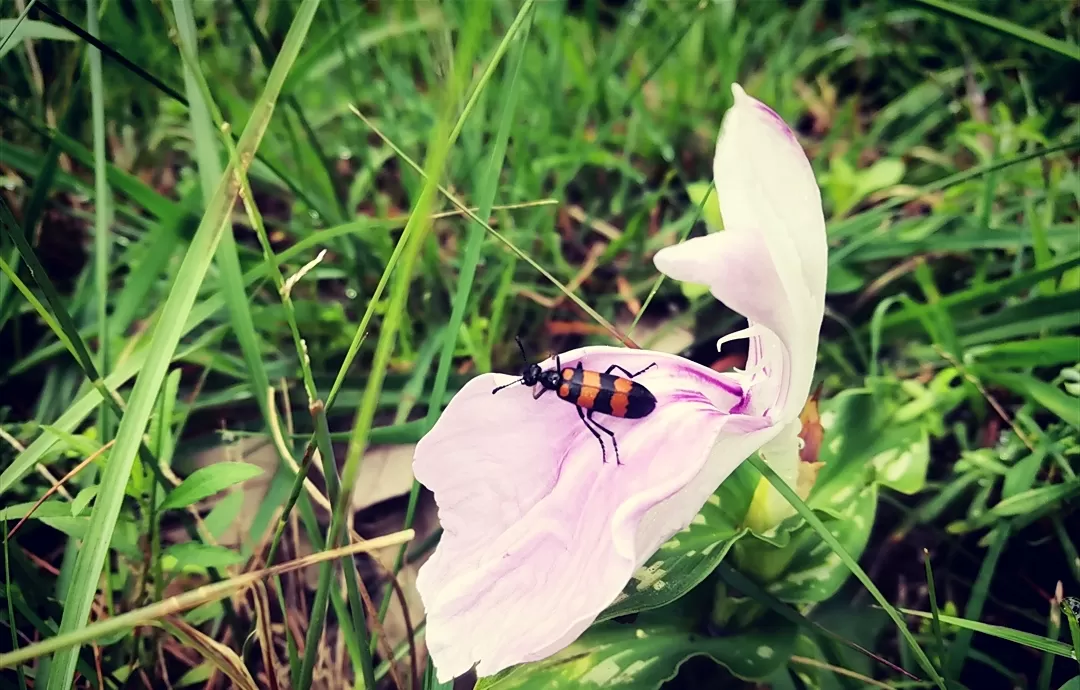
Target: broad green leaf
[[849, 187], [33, 29], [863, 441], [207, 481], [197, 674], [1073, 684], [612, 655], [687, 558], [198, 557], [902, 465], [814, 573]]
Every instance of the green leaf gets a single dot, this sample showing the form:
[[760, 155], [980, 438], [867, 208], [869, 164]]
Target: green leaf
[[691, 555], [53, 508], [1073, 684], [884, 173], [710, 212], [207, 481], [194, 556], [612, 655], [33, 29], [902, 465], [815, 572], [862, 432], [850, 562]]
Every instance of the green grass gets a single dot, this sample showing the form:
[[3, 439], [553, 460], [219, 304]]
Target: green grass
[[169, 172]]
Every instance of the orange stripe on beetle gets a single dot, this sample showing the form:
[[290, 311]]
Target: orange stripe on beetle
[[620, 403]]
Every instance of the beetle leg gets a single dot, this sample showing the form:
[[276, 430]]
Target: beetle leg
[[603, 450], [628, 374], [607, 431]]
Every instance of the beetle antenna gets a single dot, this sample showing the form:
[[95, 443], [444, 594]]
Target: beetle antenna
[[493, 392], [522, 348]]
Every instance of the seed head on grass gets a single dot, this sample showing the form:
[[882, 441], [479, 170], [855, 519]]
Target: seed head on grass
[[540, 535]]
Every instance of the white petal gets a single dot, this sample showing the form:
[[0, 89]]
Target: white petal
[[765, 186]]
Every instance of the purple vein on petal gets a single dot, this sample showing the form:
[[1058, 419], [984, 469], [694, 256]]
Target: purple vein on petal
[[783, 126]]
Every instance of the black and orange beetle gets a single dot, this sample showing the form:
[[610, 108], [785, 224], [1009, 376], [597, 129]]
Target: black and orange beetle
[[603, 392]]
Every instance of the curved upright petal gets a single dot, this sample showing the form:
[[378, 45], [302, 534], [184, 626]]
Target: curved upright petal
[[539, 534], [773, 221]]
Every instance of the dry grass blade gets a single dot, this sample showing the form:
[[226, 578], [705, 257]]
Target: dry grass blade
[[616, 333], [191, 599], [264, 632], [56, 487], [220, 656]]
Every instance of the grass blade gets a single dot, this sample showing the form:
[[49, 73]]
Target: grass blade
[[958, 651], [474, 244], [128, 367], [814, 521], [1037, 642], [1003, 26], [1070, 606], [165, 340], [615, 333], [415, 233], [228, 260], [932, 592], [11, 603]]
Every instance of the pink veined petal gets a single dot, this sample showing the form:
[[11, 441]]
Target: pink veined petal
[[769, 263], [739, 271], [539, 534]]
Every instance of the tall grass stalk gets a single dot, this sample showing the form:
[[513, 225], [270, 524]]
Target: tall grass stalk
[[166, 337]]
